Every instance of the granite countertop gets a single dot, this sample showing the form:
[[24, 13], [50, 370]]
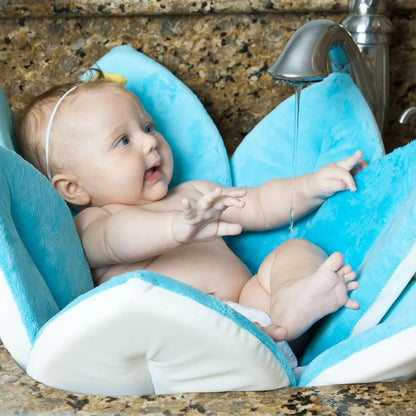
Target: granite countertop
[[154, 7], [21, 395]]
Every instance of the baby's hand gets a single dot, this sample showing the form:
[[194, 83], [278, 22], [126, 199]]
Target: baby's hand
[[201, 220], [336, 177]]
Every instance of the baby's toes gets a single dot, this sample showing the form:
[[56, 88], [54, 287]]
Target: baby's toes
[[350, 276], [352, 304], [346, 274], [352, 285], [344, 270]]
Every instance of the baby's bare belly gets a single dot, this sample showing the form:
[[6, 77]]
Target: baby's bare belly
[[209, 266]]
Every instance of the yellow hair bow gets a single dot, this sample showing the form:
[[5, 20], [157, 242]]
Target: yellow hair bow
[[117, 78]]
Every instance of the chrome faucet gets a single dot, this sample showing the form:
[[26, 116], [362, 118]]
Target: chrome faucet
[[323, 46]]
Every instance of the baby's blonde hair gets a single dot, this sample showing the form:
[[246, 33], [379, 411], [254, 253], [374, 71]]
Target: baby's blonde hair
[[30, 124]]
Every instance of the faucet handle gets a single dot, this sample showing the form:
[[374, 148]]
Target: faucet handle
[[367, 7], [368, 23]]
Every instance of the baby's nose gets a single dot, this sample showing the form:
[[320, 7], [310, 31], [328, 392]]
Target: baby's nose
[[150, 143]]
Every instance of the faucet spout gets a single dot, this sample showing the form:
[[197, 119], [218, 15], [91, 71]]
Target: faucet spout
[[319, 48]]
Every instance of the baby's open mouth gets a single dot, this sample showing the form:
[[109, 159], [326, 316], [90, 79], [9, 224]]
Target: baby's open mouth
[[152, 174]]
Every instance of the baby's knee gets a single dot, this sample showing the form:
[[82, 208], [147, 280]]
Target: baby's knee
[[299, 252], [301, 246]]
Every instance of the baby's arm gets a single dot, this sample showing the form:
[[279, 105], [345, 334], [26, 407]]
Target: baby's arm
[[125, 236], [132, 234], [268, 205]]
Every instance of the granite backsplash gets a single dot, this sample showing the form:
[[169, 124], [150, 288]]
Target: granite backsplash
[[220, 49]]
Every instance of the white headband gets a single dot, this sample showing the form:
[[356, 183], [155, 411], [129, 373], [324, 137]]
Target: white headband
[[48, 129]]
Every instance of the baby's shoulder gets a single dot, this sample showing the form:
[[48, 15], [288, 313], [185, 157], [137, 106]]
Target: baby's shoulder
[[88, 215]]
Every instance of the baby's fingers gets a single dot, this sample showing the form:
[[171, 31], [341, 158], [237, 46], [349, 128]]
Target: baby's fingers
[[236, 192], [220, 201], [187, 208], [349, 182], [339, 180], [231, 197], [208, 199], [361, 164], [228, 201], [352, 161], [342, 179]]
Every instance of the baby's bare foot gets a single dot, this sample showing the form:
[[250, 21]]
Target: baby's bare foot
[[301, 303]]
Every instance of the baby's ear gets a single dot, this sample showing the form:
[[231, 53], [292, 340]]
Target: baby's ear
[[70, 190]]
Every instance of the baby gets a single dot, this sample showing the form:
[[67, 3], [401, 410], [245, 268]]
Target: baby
[[100, 150]]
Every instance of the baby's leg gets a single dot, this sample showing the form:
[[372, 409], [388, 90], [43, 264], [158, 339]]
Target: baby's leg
[[297, 284]]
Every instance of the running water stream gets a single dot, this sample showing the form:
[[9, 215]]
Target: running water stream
[[298, 88]]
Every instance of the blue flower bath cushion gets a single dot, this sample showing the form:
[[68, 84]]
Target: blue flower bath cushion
[[6, 123], [375, 230], [142, 332], [384, 352], [42, 264]]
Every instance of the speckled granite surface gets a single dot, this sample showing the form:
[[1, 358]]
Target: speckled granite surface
[[220, 49], [20, 395], [151, 7]]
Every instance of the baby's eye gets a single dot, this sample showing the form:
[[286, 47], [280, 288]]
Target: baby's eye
[[124, 141], [149, 128]]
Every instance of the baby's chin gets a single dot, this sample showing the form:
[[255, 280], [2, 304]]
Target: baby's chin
[[156, 192]]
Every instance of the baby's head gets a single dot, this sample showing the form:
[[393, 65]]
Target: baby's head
[[96, 144]]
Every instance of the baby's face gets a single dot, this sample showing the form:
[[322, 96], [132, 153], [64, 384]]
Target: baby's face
[[113, 148]]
